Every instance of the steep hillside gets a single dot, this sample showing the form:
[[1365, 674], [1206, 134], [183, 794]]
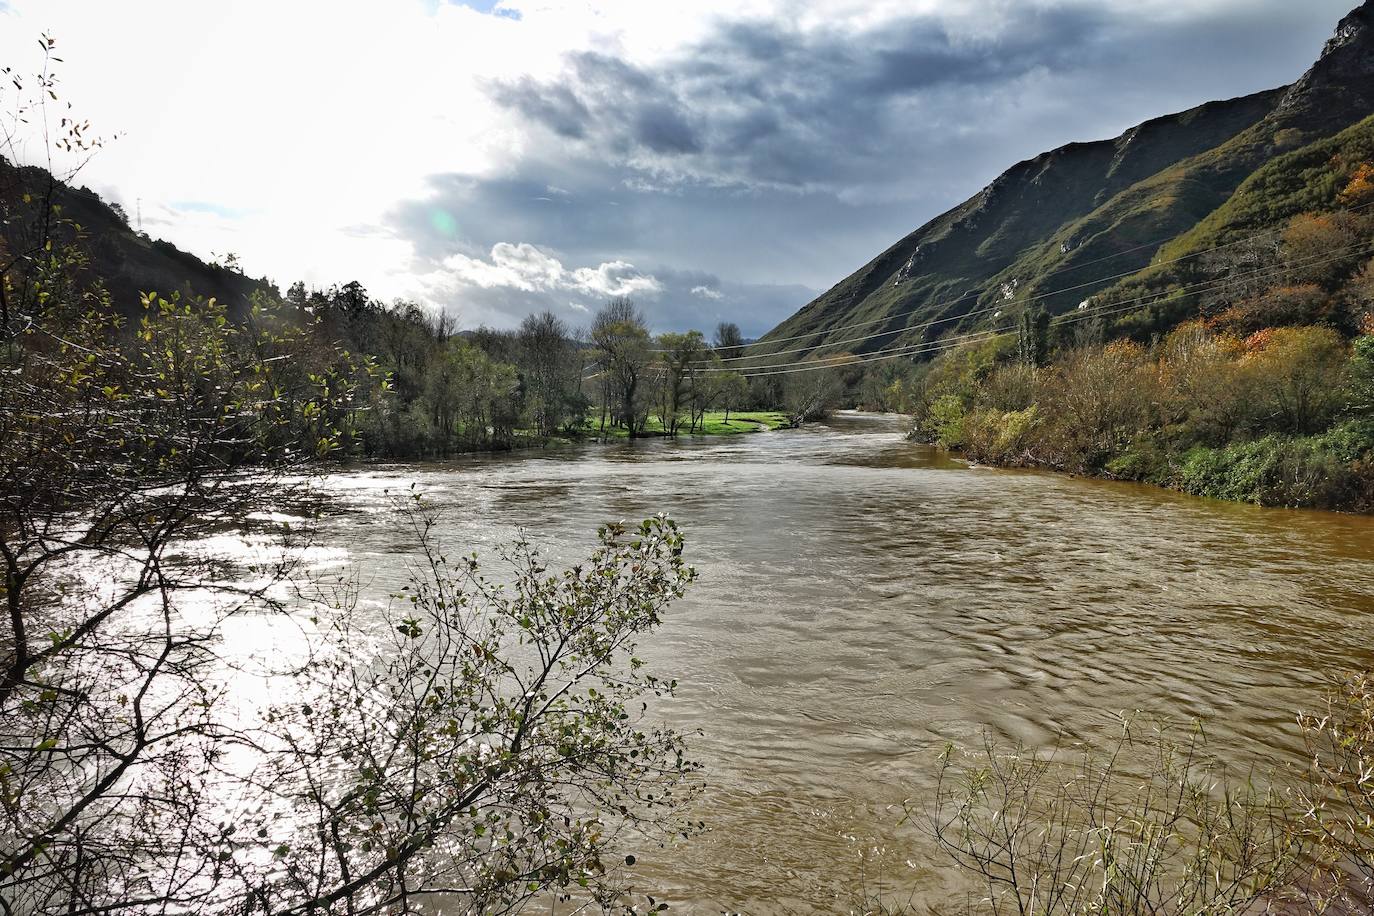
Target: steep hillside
[[1074, 221], [1207, 267], [127, 262]]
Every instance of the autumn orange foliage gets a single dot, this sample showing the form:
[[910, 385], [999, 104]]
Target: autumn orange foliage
[[1360, 190], [1125, 349], [1259, 341]]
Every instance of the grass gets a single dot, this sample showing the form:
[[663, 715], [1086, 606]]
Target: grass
[[714, 425]]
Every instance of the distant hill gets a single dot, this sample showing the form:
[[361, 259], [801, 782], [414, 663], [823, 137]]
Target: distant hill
[[1046, 225], [127, 262]]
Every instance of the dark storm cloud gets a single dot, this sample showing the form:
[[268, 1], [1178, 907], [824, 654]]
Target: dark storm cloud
[[663, 128], [761, 103], [782, 160], [646, 111], [556, 107]]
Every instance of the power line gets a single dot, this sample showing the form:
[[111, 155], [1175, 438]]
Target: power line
[[839, 361], [1036, 298], [1096, 311], [980, 336]]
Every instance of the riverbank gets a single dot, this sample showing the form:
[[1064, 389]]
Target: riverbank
[[714, 424], [1330, 471]]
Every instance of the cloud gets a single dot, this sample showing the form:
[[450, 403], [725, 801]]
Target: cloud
[[762, 103], [525, 268], [523, 154], [902, 99], [519, 279]]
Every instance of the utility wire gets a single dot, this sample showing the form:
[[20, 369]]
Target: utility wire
[[838, 361], [1036, 298]]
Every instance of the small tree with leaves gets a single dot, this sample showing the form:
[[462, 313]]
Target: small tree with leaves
[[486, 747], [624, 355]]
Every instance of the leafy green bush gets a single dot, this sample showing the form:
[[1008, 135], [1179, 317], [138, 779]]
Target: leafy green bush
[[1313, 472], [1144, 460], [945, 421], [1361, 400], [1349, 442], [1003, 437]]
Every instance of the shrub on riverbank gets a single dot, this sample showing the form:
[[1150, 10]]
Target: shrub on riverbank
[[1283, 417], [1152, 824], [1331, 471]]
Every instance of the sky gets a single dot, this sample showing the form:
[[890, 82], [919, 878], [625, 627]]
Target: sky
[[713, 160]]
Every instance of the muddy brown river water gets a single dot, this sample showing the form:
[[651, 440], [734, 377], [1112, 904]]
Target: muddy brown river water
[[863, 599]]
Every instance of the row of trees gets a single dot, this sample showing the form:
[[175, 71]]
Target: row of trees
[[443, 391], [678, 377]]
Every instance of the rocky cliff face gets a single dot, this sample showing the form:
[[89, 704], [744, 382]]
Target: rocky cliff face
[[1045, 223], [1344, 74]]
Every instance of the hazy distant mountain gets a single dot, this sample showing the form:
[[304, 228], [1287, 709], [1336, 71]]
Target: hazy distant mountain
[[1046, 224]]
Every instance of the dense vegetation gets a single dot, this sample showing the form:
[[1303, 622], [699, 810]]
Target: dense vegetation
[[1241, 367]]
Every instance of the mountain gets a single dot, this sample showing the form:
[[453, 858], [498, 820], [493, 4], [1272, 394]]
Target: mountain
[[1042, 230], [127, 262]]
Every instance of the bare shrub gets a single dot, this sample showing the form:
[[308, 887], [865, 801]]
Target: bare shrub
[[1152, 826]]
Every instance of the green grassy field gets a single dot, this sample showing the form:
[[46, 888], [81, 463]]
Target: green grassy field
[[715, 425]]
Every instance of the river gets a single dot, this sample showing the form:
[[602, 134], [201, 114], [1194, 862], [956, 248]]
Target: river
[[863, 599]]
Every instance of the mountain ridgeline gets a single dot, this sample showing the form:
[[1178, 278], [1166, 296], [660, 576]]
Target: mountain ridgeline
[[127, 261], [1054, 231]]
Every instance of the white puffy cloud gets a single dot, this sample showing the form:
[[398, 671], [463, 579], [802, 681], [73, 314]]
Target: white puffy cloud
[[515, 280], [525, 268]]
